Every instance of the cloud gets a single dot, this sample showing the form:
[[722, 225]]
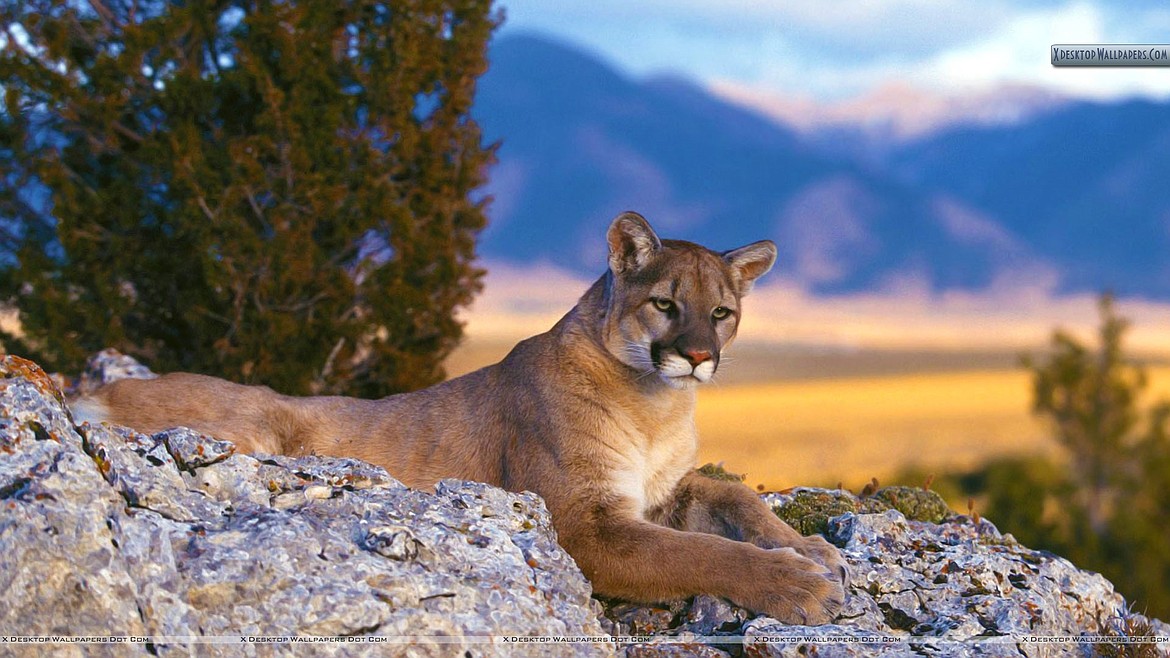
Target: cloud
[[897, 109], [837, 50], [861, 26], [1018, 53]]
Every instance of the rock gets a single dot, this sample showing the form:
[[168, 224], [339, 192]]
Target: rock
[[109, 365], [956, 588], [144, 474], [107, 531], [12, 366], [711, 615], [673, 648], [192, 450], [634, 619], [59, 570], [174, 535]]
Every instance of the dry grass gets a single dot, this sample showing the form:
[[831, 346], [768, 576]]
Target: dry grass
[[850, 429]]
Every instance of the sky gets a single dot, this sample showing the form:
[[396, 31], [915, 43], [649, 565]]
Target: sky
[[828, 51]]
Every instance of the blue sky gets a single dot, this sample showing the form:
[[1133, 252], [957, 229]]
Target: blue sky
[[829, 50]]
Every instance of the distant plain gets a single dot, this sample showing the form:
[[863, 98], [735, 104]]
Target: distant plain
[[798, 415]]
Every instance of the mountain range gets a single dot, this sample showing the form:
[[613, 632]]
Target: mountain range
[[1070, 197]]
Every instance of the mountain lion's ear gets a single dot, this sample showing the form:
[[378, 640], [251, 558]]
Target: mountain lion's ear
[[750, 263], [631, 243]]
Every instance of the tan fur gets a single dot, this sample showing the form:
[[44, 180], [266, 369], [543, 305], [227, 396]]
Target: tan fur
[[595, 415]]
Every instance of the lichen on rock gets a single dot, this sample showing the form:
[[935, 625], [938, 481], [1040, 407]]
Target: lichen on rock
[[914, 503], [718, 472], [810, 511]]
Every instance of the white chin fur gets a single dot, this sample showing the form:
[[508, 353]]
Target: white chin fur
[[673, 365], [681, 383], [705, 371], [678, 373]]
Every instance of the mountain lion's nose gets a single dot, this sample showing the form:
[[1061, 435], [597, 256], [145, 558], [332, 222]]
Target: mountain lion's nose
[[695, 357]]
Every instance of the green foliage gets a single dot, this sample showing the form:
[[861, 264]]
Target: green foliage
[[1106, 507], [1025, 497], [1091, 398], [278, 192], [1109, 509]]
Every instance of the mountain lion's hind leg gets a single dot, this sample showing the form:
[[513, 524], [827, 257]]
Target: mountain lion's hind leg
[[729, 509], [255, 418]]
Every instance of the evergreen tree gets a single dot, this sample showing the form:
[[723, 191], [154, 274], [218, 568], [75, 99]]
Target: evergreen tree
[[1092, 400], [1115, 501], [277, 192]]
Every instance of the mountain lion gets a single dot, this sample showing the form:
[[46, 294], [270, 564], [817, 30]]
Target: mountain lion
[[596, 416]]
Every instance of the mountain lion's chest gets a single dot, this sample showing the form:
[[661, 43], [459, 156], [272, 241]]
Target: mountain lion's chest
[[654, 465]]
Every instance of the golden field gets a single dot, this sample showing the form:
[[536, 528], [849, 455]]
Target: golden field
[[849, 429], [853, 428], [796, 416], [824, 390]]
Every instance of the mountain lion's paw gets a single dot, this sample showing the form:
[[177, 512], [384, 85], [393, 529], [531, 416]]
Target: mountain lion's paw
[[827, 555], [791, 588]]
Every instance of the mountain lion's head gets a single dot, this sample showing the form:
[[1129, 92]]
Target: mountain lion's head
[[673, 305]]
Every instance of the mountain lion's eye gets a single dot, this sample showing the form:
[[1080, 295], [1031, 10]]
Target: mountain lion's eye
[[721, 313], [664, 305]]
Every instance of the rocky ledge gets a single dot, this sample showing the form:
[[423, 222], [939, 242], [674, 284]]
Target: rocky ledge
[[104, 531]]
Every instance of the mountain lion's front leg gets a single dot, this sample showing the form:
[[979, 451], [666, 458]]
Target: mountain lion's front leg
[[729, 509], [637, 560]]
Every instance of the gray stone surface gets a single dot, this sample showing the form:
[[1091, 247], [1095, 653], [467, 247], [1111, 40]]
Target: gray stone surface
[[956, 588], [109, 365], [105, 531]]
